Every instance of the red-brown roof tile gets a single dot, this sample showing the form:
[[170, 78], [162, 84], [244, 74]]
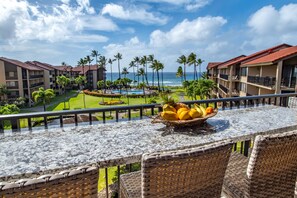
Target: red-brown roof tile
[[212, 64], [274, 57], [226, 63], [41, 65], [20, 64]]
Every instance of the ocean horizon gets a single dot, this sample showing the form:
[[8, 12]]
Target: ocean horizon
[[169, 78]]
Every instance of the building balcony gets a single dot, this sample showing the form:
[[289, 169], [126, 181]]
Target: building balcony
[[12, 77], [223, 88], [36, 76], [224, 76], [235, 92], [264, 81], [12, 87], [36, 84], [288, 83]]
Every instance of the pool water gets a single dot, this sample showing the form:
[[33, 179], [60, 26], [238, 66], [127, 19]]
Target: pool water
[[130, 92]]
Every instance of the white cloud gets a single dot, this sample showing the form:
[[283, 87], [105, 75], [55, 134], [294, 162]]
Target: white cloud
[[198, 30], [188, 4], [133, 13], [269, 26], [23, 21]]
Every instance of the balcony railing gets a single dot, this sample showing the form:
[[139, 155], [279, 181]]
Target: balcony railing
[[265, 81], [14, 77], [152, 109], [288, 82], [36, 84], [223, 88], [224, 76], [36, 76]]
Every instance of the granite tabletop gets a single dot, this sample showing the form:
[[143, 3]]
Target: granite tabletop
[[46, 151]]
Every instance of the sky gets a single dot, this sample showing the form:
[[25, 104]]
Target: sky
[[56, 31]]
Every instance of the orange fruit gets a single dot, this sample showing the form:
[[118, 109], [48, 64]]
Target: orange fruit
[[209, 110]]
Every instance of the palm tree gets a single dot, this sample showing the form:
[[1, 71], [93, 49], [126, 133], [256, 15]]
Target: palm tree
[[132, 64], [199, 62], [110, 61], [183, 60], [141, 72], [64, 63], [118, 57], [158, 66], [179, 73], [88, 60], [137, 61], [125, 72], [143, 61], [3, 91], [142, 86], [63, 81], [151, 59], [95, 54], [82, 62], [192, 60], [43, 96], [81, 80]]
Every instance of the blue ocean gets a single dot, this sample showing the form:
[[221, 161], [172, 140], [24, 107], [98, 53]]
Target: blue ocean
[[169, 78]]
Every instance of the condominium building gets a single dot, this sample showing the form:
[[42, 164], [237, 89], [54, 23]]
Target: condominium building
[[268, 71], [22, 78]]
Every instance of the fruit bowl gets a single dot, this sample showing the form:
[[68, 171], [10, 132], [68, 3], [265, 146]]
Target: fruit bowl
[[183, 123]]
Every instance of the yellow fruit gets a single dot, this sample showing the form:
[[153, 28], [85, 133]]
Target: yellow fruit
[[181, 105], [181, 110], [169, 115], [194, 113], [203, 111], [168, 107], [184, 115]]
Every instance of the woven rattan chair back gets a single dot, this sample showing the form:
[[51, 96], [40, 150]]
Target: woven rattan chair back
[[195, 172], [272, 167], [82, 182]]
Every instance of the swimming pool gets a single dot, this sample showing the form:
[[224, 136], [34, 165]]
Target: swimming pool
[[130, 92]]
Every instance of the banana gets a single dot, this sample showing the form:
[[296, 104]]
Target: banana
[[203, 111], [196, 106]]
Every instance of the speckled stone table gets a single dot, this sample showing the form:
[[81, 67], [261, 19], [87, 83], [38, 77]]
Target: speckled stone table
[[46, 151]]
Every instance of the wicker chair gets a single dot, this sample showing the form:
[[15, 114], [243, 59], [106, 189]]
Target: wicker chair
[[270, 171], [194, 172], [81, 182]]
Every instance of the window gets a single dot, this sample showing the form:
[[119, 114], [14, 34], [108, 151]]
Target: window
[[11, 84], [243, 71], [243, 87], [11, 74]]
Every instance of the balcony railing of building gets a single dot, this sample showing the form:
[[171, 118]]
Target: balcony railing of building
[[224, 76], [288, 82], [36, 84], [235, 92], [144, 111], [9, 76], [265, 81], [222, 87], [36, 76], [12, 87]]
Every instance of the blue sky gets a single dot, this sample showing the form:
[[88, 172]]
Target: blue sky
[[66, 30]]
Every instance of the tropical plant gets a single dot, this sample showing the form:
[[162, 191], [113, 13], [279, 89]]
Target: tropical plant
[[118, 57], [108, 84], [199, 63], [125, 71], [110, 61], [201, 88], [3, 92], [192, 60], [89, 61], [143, 86], [42, 95], [137, 61], [95, 54], [143, 62], [9, 109], [81, 80], [64, 63], [132, 65], [20, 102], [204, 75], [179, 73], [151, 58], [100, 84], [183, 60], [63, 81], [158, 66], [141, 72], [126, 83], [119, 84], [82, 62], [102, 62]]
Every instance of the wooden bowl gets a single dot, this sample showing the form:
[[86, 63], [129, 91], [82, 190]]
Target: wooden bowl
[[183, 123]]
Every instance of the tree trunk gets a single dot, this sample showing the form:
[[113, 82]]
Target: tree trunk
[[185, 72], [153, 79], [162, 80], [111, 72], [44, 107], [146, 74], [119, 68], [158, 80]]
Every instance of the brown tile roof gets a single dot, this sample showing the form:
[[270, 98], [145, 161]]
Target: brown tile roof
[[80, 69], [274, 57], [226, 63], [41, 65], [20, 64], [212, 64], [63, 68]]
